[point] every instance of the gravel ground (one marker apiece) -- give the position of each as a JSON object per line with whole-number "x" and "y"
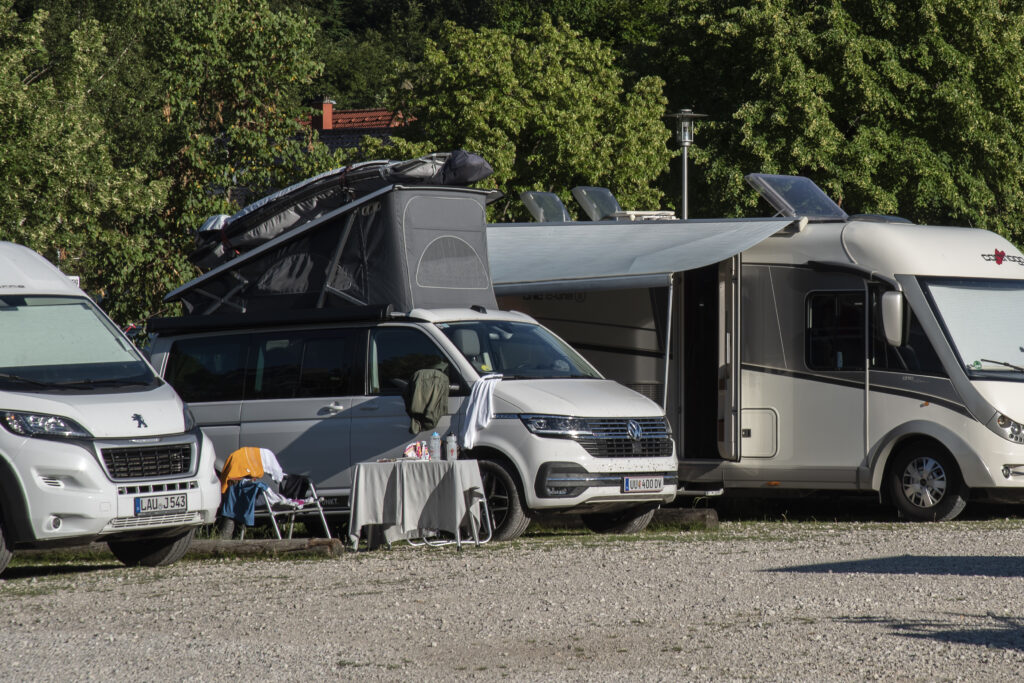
{"x": 776, "y": 600}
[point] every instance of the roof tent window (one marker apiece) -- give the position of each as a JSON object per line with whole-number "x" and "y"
{"x": 451, "y": 263}
{"x": 794, "y": 195}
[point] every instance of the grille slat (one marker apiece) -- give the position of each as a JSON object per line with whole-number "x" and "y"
{"x": 148, "y": 461}
{"x": 611, "y": 438}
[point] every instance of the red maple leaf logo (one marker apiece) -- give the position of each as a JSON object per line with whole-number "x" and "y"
{"x": 1000, "y": 255}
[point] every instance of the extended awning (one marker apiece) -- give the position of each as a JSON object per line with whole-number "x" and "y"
{"x": 533, "y": 258}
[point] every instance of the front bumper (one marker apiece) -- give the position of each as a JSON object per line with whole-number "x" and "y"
{"x": 558, "y": 481}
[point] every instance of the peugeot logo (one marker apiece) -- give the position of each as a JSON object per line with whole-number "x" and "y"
{"x": 635, "y": 431}
{"x": 142, "y": 423}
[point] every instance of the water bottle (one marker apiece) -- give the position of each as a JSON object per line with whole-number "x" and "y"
{"x": 435, "y": 446}
{"x": 451, "y": 448}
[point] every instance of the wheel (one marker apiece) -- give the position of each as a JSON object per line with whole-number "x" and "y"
{"x": 628, "y": 521}
{"x": 503, "y": 500}
{"x": 5, "y": 552}
{"x": 152, "y": 552}
{"x": 926, "y": 485}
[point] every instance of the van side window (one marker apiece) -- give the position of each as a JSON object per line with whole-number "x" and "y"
{"x": 835, "y": 331}
{"x": 396, "y": 353}
{"x": 305, "y": 364}
{"x": 208, "y": 369}
{"x": 917, "y": 356}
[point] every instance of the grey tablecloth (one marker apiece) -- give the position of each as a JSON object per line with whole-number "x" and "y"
{"x": 407, "y": 496}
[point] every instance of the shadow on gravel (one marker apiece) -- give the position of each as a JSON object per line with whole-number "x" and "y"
{"x": 39, "y": 571}
{"x": 945, "y": 565}
{"x": 1007, "y": 633}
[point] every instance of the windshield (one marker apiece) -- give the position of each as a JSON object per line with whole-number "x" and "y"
{"x": 516, "y": 350}
{"x": 57, "y": 343}
{"x": 983, "y": 323}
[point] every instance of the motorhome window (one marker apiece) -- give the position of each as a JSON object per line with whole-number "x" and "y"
{"x": 65, "y": 343}
{"x": 208, "y": 368}
{"x": 982, "y": 321}
{"x": 396, "y": 353}
{"x": 835, "y": 331}
{"x": 916, "y": 356}
{"x": 305, "y": 363}
{"x": 516, "y": 350}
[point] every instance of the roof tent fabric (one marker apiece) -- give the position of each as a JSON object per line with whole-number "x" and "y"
{"x": 407, "y": 247}
{"x": 531, "y": 258}
{"x": 222, "y": 238}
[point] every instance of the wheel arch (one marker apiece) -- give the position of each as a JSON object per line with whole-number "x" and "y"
{"x": 968, "y": 463}
{"x": 494, "y": 455}
{"x": 14, "y": 511}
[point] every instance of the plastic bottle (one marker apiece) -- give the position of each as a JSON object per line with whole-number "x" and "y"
{"x": 435, "y": 446}
{"x": 451, "y": 448}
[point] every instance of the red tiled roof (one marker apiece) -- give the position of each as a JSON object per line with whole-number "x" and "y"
{"x": 367, "y": 118}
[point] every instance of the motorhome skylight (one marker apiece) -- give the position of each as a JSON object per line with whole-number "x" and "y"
{"x": 794, "y": 195}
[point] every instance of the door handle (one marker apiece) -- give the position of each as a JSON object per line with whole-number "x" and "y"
{"x": 334, "y": 407}
{"x": 366, "y": 407}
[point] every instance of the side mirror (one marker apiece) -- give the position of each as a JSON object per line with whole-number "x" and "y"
{"x": 893, "y": 315}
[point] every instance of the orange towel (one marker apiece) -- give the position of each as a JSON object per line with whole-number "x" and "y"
{"x": 245, "y": 462}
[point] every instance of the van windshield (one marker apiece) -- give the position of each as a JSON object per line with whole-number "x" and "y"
{"x": 982, "y": 321}
{"x": 516, "y": 350}
{"x": 59, "y": 343}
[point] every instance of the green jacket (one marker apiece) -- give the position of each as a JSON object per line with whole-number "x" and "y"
{"x": 426, "y": 399}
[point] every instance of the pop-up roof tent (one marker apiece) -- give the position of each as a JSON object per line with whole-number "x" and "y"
{"x": 407, "y": 247}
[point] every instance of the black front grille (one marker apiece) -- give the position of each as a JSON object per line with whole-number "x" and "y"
{"x": 611, "y": 438}
{"x": 148, "y": 461}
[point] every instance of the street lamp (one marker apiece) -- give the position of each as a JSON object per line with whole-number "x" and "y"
{"x": 684, "y": 136}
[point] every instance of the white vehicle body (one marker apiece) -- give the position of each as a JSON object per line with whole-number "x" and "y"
{"x": 559, "y": 429}
{"x": 93, "y": 444}
{"x": 848, "y": 353}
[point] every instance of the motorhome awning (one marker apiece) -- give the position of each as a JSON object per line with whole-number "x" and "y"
{"x": 534, "y": 258}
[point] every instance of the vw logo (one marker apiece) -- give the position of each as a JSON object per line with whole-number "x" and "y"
{"x": 635, "y": 431}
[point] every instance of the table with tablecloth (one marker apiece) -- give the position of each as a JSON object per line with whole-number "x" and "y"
{"x": 410, "y": 497}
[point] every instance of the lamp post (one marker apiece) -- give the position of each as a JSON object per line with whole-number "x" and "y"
{"x": 684, "y": 136}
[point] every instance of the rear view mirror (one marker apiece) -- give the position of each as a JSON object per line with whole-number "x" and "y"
{"x": 893, "y": 318}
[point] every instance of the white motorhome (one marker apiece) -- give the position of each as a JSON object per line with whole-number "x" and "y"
{"x": 93, "y": 444}
{"x": 815, "y": 350}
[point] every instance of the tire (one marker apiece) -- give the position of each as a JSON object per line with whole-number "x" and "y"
{"x": 152, "y": 552}
{"x": 504, "y": 501}
{"x": 925, "y": 484}
{"x": 628, "y": 521}
{"x": 5, "y": 552}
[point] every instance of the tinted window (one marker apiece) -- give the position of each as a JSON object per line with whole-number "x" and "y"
{"x": 396, "y": 353}
{"x": 209, "y": 369}
{"x": 306, "y": 363}
{"x": 916, "y": 356}
{"x": 835, "y": 331}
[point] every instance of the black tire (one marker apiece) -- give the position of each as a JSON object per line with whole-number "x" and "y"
{"x": 504, "y": 501}
{"x": 628, "y": 521}
{"x": 925, "y": 484}
{"x": 5, "y": 552}
{"x": 152, "y": 552}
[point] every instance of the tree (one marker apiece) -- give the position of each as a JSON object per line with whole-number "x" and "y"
{"x": 546, "y": 107}
{"x": 60, "y": 190}
{"x": 903, "y": 108}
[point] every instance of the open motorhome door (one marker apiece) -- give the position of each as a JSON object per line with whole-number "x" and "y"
{"x": 729, "y": 384}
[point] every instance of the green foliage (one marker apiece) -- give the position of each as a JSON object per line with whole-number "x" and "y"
{"x": 547, "y": 108}
{"x": 60, "y": 191}
{"x": 906, "y": 108}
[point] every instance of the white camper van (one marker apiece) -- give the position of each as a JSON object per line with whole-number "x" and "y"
{"x": 93, "y": 445}
{"x": 815, "y": 350}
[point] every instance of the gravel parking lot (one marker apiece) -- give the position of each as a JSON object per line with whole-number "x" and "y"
{"x": 766, "y": 600}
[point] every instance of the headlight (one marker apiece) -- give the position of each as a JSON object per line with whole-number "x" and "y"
{"x": 1009, "y": 429}
{"x": 559, "y": 426}
{"x": 34, "y": 424}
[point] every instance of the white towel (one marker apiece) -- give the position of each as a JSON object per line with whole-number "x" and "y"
{"x": 478, "y": 409}
{"x": 270, "y": 465}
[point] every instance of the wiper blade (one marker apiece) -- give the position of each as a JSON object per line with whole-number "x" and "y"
{"x": 1003, "y": 363}
{"x": 25, "y": 380}
{"x": 106, "y": 383}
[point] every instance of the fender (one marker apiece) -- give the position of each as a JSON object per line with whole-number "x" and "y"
{"x": 13, "y": 505}
{"x": 972, "y": 467}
